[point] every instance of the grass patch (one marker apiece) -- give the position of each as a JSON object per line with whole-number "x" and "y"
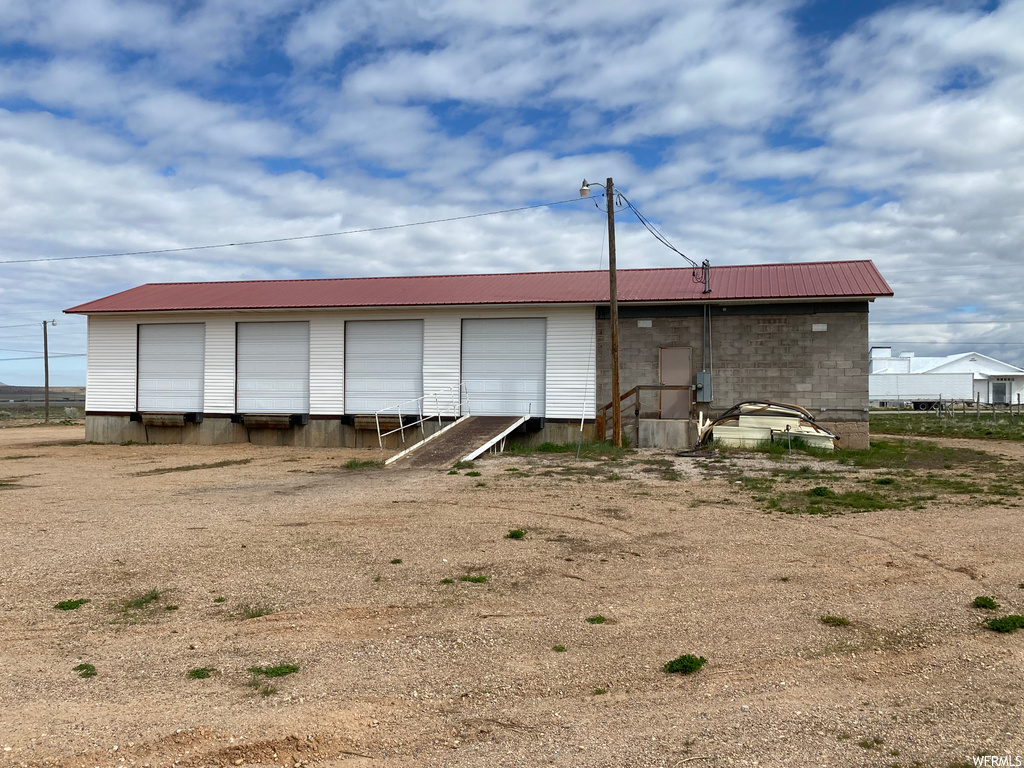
{"x": 516, "y": 533}
{"x": 960, "y": 425}
{"x": 462, "y": 465}
{"x": 220, "y": 599}
{"x": 598, "y": 619}
{"x": 171, "y": 607}
{"x": 85, "y": 670}
{"x": 278, "y": 671}
{"x": 191, "y": 467}
{"x": 474, "y": 473}
{"x": 253, "y": 611}
{"x": 396, "y": 561}
{"x": 1010, "y": 623}
{"x": 834, "y": 621}
{"x": 591, "y": 449}
{"x": 686, "y": 664}
{"x": 985, "y": 603}
{"x": 474, "y": 579}
{"x": 600, "y": 691}
{"x": 201, "y": 673}
{"x": 141, "y": 601}
{"x": 558, "y": 648}
{"x": 447, "y": 581}
{"x": 872, "y": 743}
{"x": 72, "y": 605}
{"x": 362, "y": 464}
{"x": 914, "y": 454}
{"x": 453, "y": 471}
{"x": 264, "y": 688}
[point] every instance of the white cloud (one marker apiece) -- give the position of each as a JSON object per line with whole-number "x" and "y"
{"x": 135, "y": 126}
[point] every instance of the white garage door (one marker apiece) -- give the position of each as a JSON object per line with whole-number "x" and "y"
{"x": 272, "y": 368}
{"x": 503, "y": 366}
{"x": 383, "y": 365}
{"x": 171, "y": 367}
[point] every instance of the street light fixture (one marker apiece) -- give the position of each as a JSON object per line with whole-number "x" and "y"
{"x": 614, "y": 306}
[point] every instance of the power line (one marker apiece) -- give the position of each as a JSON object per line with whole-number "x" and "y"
{"x": 954, "y": 342}
{"x": 947, "y": 322}
{"x": 290, "y": 239}
{"x": 40, "y": 357}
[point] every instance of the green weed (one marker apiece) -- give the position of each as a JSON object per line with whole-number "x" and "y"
{"x": 141, "y": 601}
{"x": 598, "y": 619}
{"x": 362, "y": 464}
{"x": 396, "y": 561}
{"x": 835, "y": 621}
{"x": 558, "y": 648}
{"x": 277, "y": 671}
{"x": 253, "y": 611}
{"x": 85, "y": 670}
{"x": 201, "y": 673}
{"x": 473, "y": 474}
{"x": 1010, "y": 623}
{"x": 515, "y": 533}
{"x": 686, "y": 664}
{"x": 474, "y": 579}
{"x": 985, "y": 603}
{"x": 71, "y": 605}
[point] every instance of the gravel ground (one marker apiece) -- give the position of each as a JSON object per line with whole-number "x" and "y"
{"x": 397, "y": 668}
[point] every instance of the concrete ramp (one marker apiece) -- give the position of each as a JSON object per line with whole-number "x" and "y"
{"x": 465, "y": 439}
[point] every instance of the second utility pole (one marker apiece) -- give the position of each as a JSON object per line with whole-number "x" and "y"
{"x": 614, "y": 302}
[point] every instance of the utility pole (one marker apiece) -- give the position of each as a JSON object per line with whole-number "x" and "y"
{"x": 46, "y": 372}
{"x": 613, "y": 298}
{"x": 46, "y": 375}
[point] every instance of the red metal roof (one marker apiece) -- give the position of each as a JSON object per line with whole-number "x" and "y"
{"x": 815, "y": 280}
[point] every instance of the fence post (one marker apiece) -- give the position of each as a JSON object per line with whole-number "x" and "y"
{"x": 977, "y": 405}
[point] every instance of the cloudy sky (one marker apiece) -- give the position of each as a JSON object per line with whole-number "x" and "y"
{"x": 774, "y": 131}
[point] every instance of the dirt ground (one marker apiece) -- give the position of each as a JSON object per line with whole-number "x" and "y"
{"x": 398, "y": 668}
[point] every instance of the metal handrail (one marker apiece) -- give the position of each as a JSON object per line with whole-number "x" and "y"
{"x": 635, "y": 392}
{"x": 456, "y": 410}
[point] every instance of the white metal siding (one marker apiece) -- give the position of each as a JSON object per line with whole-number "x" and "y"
{"x": 273, "y": 368}
{"x": 442, "y": 347}
{"x": 569, "y": 352}
{"x": 171, "y": 366}
{"x": 571, "y": 364}
{"x": 327, "y": 365}
{"x": 503, "y": 365}
{"x": 110, "y": 372}
{"x": 219, "y": 366}
{"x": 383, "y": 365}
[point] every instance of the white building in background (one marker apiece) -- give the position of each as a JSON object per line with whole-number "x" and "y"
{"x": 967, "y": 376}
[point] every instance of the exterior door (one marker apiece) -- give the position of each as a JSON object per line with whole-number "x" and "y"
{"x": 676, "y": 368}
{"x": 504, "y": 365}
{"x": 999, "y": 393}
{"x": 383, "y": 365}
{"x": 272, "y": 368}
{"x": 171, "y": 359}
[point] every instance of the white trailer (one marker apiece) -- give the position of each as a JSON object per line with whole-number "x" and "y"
{"x": 922, "y": 389}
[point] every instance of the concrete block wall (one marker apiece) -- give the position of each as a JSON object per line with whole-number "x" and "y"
{"x": 805, "y": 355}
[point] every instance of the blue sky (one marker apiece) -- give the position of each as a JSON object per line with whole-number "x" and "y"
{"x": 749, "y": 132}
